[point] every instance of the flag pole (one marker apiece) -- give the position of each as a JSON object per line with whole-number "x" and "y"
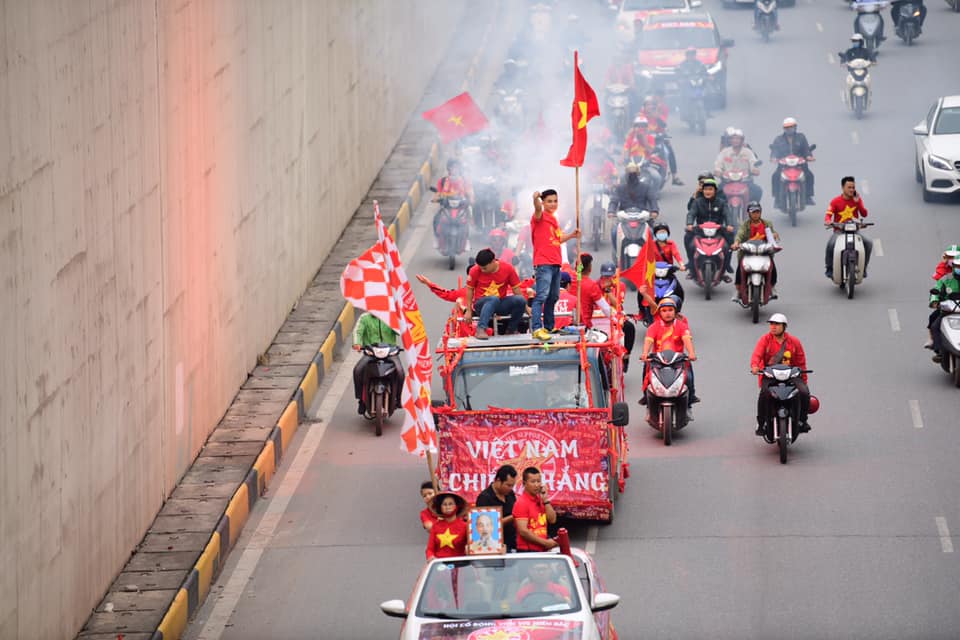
{"x": 431, "y": 469}
{"x": 576, "y": 308}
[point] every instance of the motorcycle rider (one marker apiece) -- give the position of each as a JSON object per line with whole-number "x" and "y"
{"x": 371, "y": 330}
{"x": 704, "y": 175}
{"x": 615, "y": 292}
{"x": 895, "y": 11}
{"x": 498, "y": 243}
{"x": 791, "y": 142}
{"x": 756, "y": 17}
{"x": 857, "y": 51}
{"x": 738, "y": 157}
{"x": 708, "y": 208}
{"x": 633, "y": 193}
{"x": 621, "y": 72}
{"x": 755, "y": 227}
{"x": 947, "y": 288}
{"x": 670, "y": 331}
{"x": 638, "y": 143}
{"x": 845, "y": 207}
{"x": 690, "y": 67}
{"x": 488, "y": 283}
{"x": 657, "y": 125}
{"x": 780, "y": 347}
{"x": 452, "y": 185}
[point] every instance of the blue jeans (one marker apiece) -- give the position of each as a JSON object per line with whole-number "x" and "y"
{"x": 547, "y": 288}
{"x": 488, "y": 306}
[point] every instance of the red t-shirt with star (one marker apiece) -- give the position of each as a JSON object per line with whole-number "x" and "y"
{"x": 531, "y": 508}
{"x": 545, "y": 233}
{"x": 842, "y": 210}
{"x": 590, "y": 295}
{"x": 428, "y": 516}
{"x": 500, "y": 283}
{"x": 447, "y": 539}
{"x": 668, "y": 336}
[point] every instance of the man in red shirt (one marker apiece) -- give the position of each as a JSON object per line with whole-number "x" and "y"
{"x": 547, "y": 258}
{"x": 563, "y": 312}
{"x": 591, "y": 295}
{"x": 844, "y": 208}
{"x": 488, "y": 283}
{"x": 639, "y": 143}
{"x": 532, "y": 513}
{"x": 779, "y": 347}
{"x": 541, "y": 581}
{"x": 670, "y": 332}
{"x": 615, "y": 296}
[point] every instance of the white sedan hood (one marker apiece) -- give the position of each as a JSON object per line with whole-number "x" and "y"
{"x": 947, "y": 146}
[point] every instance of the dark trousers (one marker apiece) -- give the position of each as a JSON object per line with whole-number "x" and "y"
{"x": 547, "y": 288}
{"x": 935, "y": 319}
{"x": 828, "y": 254}
{"x": 629, "y": 335}
{"x": 765, "y": 404}
{"x": 360, "y": 380}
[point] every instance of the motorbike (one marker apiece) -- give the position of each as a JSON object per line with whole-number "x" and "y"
{"x": 653, "y": 172}
{"x": 452, "y": 228}
{"x": 486, "y": 211}
{"x": 780, "y": 422}
{"x": 908, "y": 27}
{"x": 849, "y": 257}
{"x": 665, "y": 284}
{"x": 710, "y": 248}
{"x": 858, "y": 93}
{"x": 950, "y": 336}
{"x": 693, "y": 108}
{"x": 598, "y": 214}
{"x": 954, "y": 4}
{"x": 659, "y": 160}
{"x": 617, "y": 102}
{"x": 756, "y": 270}
{"x": 765, "y": 18}
{"x": 736, "y": 188}
{"x": 792, "y": 198}
{"x": 629, "y": 236}
{"x": 509, "y": 108}
{"x": 869, "y": 23}
{"x": 380, "y": 374}
{"x": 667, "y": 393}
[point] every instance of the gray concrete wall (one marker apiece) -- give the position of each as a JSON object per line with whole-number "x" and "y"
{"x": 172, "y": 173}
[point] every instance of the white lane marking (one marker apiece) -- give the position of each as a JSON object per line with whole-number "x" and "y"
{"x": 865, "y": 186}
{"x": 878, "y": 248}
{"x": 820, "y": 27}
{"x": 894, "y": 320}
{"x": 592, "y": 534}
{"x": 830, "y": 58}
{"x": 915, "y": 414}
{"x": 855, "y": 137}
{"x": 946, "y": 542}
{"x": 253, "y": 548}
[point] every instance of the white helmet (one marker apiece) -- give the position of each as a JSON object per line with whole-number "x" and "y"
{"x": 789, "y": 122}
{"x": 729, "y": 131}
{"x": 778, "y": 318}
{"x": 858, "y": 38}
{"x": 736, "y": 132}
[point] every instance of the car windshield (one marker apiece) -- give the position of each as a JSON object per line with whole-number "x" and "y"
{"x": 678, "y": 38}
{"x": 643, "y": 5}
{"x": 548, "y": 385}
{"x": 497, "y": 588}
{"x": 948, "y": 122}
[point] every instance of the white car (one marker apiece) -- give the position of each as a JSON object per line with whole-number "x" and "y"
{"x": 938, "y": 148}
{"x": 632, "y": 13}
{"x": 508, "y": 595}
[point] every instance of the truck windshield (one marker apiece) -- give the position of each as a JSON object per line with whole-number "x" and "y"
{"x": 522, "y": 386}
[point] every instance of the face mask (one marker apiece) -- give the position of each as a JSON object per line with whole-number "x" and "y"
{"x": 662, "y": 236}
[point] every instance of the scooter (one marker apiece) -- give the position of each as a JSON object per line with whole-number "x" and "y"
{"x": 950, "y": 337}
{"x": 782, "y": 390}
{"x": 710, "y": 248}
{"x": 792, "y": 198}
{"x": 756, "y": 271}
{"x": 509, "y": 108}
{"x": 486, "y": 211}
{"x": 617, "y": 102}
{"x": 452, "y": 228}
{"x": 598, "y": 215}
{"x": 629, "y": 236}
{"x": 736, "y": 188}
{"x": 954, "y": 4}
{"x": 869, "y": 22}
{"x": 380, "y": 374}
{"x": 908, "y": 26}
{"x": 665, "y": 284}
{"x": 858, "y": 92}
{"x": 849, "y": 257}
{"x": 667, "y": 393}
{"x": 694, "y": 106}
{"x": 766, "y": 24}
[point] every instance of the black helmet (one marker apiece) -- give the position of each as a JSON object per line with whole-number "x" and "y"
{"x": 661, "y": 225}
{"x": 753, "y": 205}
{"x": 704, "y": 175}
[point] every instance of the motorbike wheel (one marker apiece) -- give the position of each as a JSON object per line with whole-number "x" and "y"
{"x": 451, "y": 262}
{"x": 858, "y": 107}
{"x": 851, "y": 278}
{"x": 766, "y": 35}
{"x": 955, "y": 374}
{"x": 755, "y": 293}
{"x": 708, "y": 280}
{"x": 701, "y": 120}
{"x": 379, "y": 412}
{"x": 793, "y": 205}
{"x": 666, "y": 424}
{"x": 782, "y": 438}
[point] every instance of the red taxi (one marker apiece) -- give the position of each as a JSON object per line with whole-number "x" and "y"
{"x": 632, "y": 13}
{"x": 662, "y": 46}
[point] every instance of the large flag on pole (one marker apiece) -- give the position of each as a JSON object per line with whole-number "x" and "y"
{"x": 456, "y": 118}
{"x": 377, "y": 282}
{"x": 585, "y": 107}
{"x": 642, "y": 272}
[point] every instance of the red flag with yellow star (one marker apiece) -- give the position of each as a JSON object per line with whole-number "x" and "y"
{"x": 456, "y": 118}
{"x": 642, "y": 272}
{"x": 585, "y": 106}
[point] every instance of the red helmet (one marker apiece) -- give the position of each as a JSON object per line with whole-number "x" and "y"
{"x": 814, "y": 404}
{"x": 497, "y": 234}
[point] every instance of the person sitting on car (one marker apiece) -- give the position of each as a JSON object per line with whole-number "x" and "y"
{"x": 541, "y": 580}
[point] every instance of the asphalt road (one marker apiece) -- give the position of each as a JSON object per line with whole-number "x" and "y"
{"x": 713, "y": 537}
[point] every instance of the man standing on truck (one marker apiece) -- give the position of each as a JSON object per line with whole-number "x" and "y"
{"x": 547, "y": 258}
{"x": 532, "y": 513}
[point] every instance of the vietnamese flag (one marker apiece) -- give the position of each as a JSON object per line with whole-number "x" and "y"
{"x": 642, "y": 272}
{"x": 456, "y": 118}
{"x": 585, "y": 106}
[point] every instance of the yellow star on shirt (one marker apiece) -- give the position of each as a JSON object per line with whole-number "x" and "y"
{"x": 457, "y": 120}
{"x": 446, "y": 539}
{"x": 847, "y": 213}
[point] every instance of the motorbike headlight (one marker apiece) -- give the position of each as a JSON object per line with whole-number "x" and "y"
{"x": 381, "y": 352}
{"x": 782, "y": 375}
{"x": 756, "y": 264}
{"x": 938, "y": 163}
{"x": 858, "y": 91}
{"x": 953, "y": 322}
{"x": 850, "y": 226}
{"x": 660, "y": 273}
{"x": 618, "y": 101}
{"x": 709, "y": 233}
{"x": 632, "y": 250}
{"x": 715, "y": 68}
{"x": 454, "y": 203}
{"x": 647, "y": 74}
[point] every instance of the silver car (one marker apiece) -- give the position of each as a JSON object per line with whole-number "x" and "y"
{"x": 937, "y": 136}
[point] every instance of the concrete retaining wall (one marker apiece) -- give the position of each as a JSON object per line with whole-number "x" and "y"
{"x": 173, "y": 173}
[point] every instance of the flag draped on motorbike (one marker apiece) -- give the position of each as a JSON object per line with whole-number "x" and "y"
{"x": 376, "y": 281}
{"x": 642, "y": 272}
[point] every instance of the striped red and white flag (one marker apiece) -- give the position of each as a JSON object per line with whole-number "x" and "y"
{"x": 376, "y": 282}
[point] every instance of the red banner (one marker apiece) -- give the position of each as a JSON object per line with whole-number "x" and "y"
{"x": 536, "y": 629}
{"x": 570, "y": 447}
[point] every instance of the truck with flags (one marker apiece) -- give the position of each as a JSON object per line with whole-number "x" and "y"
{"x": 555, "y": 405}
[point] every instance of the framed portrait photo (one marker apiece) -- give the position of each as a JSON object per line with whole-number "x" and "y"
{"x": 486, "y": 531}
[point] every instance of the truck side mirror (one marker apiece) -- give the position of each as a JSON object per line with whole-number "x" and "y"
{"x": 620, "y": 414}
